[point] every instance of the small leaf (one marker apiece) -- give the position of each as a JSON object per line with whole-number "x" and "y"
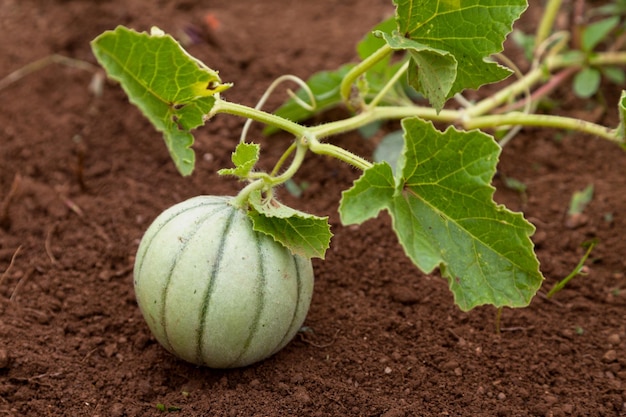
{"x": 432, "y": 72}
{"x": 515, "y": 184}
{"x": 580, "y": 200}
{"x": 172, "y": 89}
{"x": 245, "y": 158}
{"x": 596, "y": 32}
{"x": 524, "y": 41}
{"x": 302, "y": 233}
{"x": 587, "y": 82}
{"x": 614, "y": 74}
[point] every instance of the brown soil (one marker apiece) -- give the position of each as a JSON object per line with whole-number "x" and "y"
{"x": 382, "y": 339}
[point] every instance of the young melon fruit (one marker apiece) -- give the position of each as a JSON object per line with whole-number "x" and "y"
{"x": 213, "y": 291}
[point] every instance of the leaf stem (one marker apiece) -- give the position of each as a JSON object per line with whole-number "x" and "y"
{"x": 394, "y": 79}
{"x": 382, "y": 113}
{"x": 283, "y": 158}
{"x": 360, "y": 69}
{"x": 542, "y": 120}
{"x": 223, "y": 106}
{"x": 241, "y": 199}
{"x": 270, "y": 181}
{"x": 337, "y": 152}
{"x": 547, "y": 21}
{"x": 543, "y": 71}
{"x": 298, "y": 158}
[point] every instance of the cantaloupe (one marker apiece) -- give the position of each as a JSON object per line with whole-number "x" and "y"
{"x": 213, "y": 291}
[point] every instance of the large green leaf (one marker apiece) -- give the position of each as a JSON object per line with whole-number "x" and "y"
{"x": 443, "y": 212}
{"x": 469, "y": 30}
{"x": 172, "y": 89}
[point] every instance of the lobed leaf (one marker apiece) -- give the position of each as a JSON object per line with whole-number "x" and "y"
{"x": 370, "y": 194}
{"x": 443, "y": 212}
{"x": 302, "y": 233}
{"x": 469, "y": 30}
{"x": 172, "y": 89}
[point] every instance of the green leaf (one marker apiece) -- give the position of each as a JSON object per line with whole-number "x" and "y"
{"x": 370, "y": 194}
{"x": 469, "y": 30}
{"x": 245, "y": 158}
{"x": 614, "y": 74}
{"x": 587, "y": 82}
{"x": 172, "y": 89}
{"x": 622, "y": 116}
{"x": 432, "y": 71}
{"x": 444, "y": 215}
{"x": 580, "y": 200}
{"x": 302, "y": 233}
{"x": 390, "y": 149}
{"x": 373, "y": 41}
{"x": 596, "y": 32}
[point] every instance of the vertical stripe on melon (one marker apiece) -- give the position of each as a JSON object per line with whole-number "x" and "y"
{"x": 213, "y": 291}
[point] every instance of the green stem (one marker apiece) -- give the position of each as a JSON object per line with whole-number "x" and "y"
{"x": 533, "y": 77}
{"x": 283, "y": 158}
{"x": 382, "y": 113}
{"x": 223, "y": 106}
{"x": 360, "y": 69}
{"x": 269, "y": 181}
{"x": 542, "y": 120}
{"x": 547, "y": 21}
{"x": 241, "y": 199}
{"x": 561, "y": 284}
{"x": 394, "y": 79}
{"x": 298, "y": 158}
{"x": 502, "y": 96}
{"x": 339, "y": 153}
{"x": 608, "y": 58}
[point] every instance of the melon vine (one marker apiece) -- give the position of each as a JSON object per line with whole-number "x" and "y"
{"x": 436, "y": 186}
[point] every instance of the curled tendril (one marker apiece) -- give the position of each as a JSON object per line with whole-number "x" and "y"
{"x": 283, "y": 78}
{"x": 551, "y": 46}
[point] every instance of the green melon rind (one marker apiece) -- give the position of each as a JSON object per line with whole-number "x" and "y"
{"x": 213, "y": 291}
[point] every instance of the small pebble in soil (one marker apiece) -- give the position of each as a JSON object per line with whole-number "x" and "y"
{"x": 297, "y": 378}
{"x": 301, "y": 395}
{"x": 394, "y": 412}
{"x": 5, "y": 359}
{"x": 117, "y": 410}
{"x": 609, "y": 356}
